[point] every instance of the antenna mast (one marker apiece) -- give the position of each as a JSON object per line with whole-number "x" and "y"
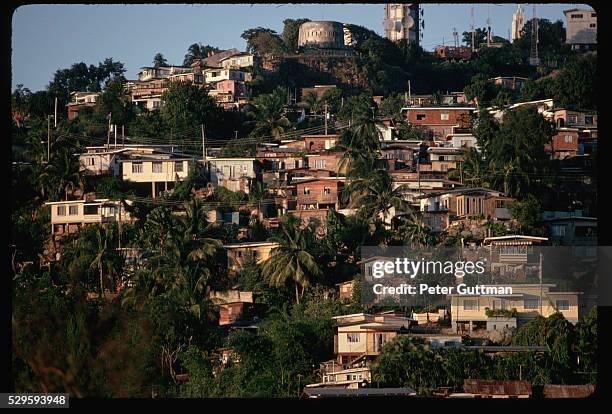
{"x": 456, "y": 36}
{"x": 472, "y": 27}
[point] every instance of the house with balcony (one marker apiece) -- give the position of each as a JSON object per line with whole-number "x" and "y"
{"x": 329, "y": 160}
{"x": 229, "y": 93}
{"x": 216, "y": 75}
{"x": 527, "y": 301}
{"x": 240, "y": 253}
{"x": 80, "y": 100}
{"x": 568, "y": 229}
{"x": 68, "y": 217}
{"x": 468, "y": 203}
{"x": 235, "y": 174}
{"x": 160, "y": 171}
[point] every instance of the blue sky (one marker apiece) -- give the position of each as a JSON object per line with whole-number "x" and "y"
{"x": 50, "y": 37}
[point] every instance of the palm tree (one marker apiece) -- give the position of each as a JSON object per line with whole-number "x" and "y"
{"x": 63, "y": 170}
{"x": 159, "y": 60}
{"x": 373, "y": 191}
{"x": 360, "y": 142}
{"x": 411, "y": 228}
{"x": 197, "y": 51}
{"x": 312, "y": 102}
{"x": 96, "y": 246}
{"x": 473, "y": 168}
{"x": 268, "y": 114}
{"x": 292, "y": 260}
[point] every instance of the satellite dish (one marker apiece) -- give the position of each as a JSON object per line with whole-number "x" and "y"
{"x": 408, "y": 21}
{"x": 398, "y": 26}
{"x": 388, "y": 24}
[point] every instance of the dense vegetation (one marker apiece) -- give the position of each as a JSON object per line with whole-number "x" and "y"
{"x": 71, "y": 333}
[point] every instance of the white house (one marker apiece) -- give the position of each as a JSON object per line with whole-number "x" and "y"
{"x": 235, "y": 174}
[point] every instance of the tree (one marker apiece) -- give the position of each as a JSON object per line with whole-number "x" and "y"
{"x": 159, "y": 60}
{"x": 480, "y": 36}
{"x": 576, "y": 84}
{"x": 373, "y": 193}
{"x": 187, "y": 106}
{"x": 197, "y": 51}
{"x": 292, "y": 260}
{"x": 268, "y": 114}
{"x": 517, "y": 157}
{"x": 63, "y": 171}
{"x": 391, "y": 107}
{"x": 291, "y": 30}
{"x": 528, "y": 213}
{"x": 263, "y": 41}
{"x": 114, "y": 101}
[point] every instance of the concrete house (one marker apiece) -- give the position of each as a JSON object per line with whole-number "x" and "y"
{"x": 239, "y": 253}
{"x": 80, "y": 100}
{"x": 235, "y": 174}
{"x": 69, "y": 216}
{"x": 159, "y": 171}
{"x": 581, "y": 29}
{"x": 438, "y": 121}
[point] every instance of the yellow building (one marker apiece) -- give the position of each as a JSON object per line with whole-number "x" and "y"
{"x": 239, "y": 253}
{"x": 469, "y": 312}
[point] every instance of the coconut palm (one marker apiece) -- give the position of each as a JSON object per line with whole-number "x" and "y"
{"x": 159, "y": 60}
{"x": 312, "y": 102}
{"x": 268, "y": 114}
{"x": 473, "y": 168}
{"x": 63, "y": 170}
{"x": 373, "y": 192}
{"x": 360, "y": 142}
{"x": 292, "y": 260}
{"x": 197, "y": 51}
{"x": 412, "y": 229}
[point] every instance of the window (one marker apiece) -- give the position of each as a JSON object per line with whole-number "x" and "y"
{"x": 577, "y": 16}
{"x": 470, "y": 304}
{"x": 499, "y": 304}
{"x": 558, "y": 230}
{"x": 592, "y": 25}
{"x": 157, "y": 167}
{"x": 569, "y": 138}
{"x": 593, "y": 14}
{"x": 420, "y": 117}
{"x": 73, "y": 210}
{"x": 327, "y": 190}
{"x": 572, "y": 119}
{"x": 562, "y": 304}
{"x": 61, "y": 210}
{"x": 444, "y": 117}
{"x": 306, "y": 190}
{"x": 90, "y": 210}
{"x": 352, "y": 337}
{"x": 136, "y": 167}
{"x": 584, "y": 231}
{"x": 588, "y": 120}
{"x": 531, "y": 304}
{"x": 156, "y": 104}
{"x": 90, "y": 161}
{"x": 178, "y": 166}
{"x": 320, "y": 164}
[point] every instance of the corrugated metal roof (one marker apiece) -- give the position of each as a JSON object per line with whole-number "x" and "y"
{"x": 568, "y": 391}
{"x": 358, "y": 392}
{"x": 495, "y": 387}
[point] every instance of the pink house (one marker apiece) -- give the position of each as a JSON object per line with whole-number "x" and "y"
{"x": 236, "y": 88}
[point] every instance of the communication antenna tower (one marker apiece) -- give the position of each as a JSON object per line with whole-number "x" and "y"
{"x": 472, "y": 27}
{"x": 456, "y": 36}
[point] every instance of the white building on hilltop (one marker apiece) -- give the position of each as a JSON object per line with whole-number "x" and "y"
{"x": 518, "y": 21}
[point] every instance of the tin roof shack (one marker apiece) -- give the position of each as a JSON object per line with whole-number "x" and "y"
{"x": 345, "y": 290}
{"x": 439, "y": 121}
{"x": 568, "y": 391}
{"x": 233, "y": 306}
{"x": 497, "y": 389}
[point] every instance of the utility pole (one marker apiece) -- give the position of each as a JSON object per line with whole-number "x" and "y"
{"x": 236, "y": 135}
{"x": 409, "y": 93}
{"x": 203, "y": 145}
{"x": 325, "y": 106}
{"x": 109, "y": 130}
{"x": 123, "y": 136}
{"x": 48, "y": 138}
{"x": 540, "y": 274}
{"x": 55, "y": 114}
{"x": 115, "y": 129}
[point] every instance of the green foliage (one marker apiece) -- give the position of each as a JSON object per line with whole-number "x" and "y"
{"x": 159, "y": 60}
{"x": 262, "y": 41}
{"x": 290, "y": 34}
{"x": 506, "y": 313}
{"x": 528, "y": 213}
{"x": 187, "y": 105}
{"x": 197, "y": 51}
{"x": 268, "y": 114}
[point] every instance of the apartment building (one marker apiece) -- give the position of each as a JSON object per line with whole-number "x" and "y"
{"x": 581, "y": 32}
{"x": 438, "y": 121}
{"x": 161, "y": 171}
